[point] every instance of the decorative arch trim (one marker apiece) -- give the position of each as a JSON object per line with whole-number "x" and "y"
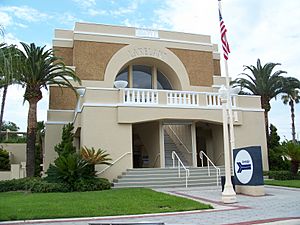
{"x": 132, "y": 52}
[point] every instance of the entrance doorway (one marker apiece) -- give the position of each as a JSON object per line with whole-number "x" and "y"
{"x": 145, "y": 145}
{"x": 178, "y": 139}
{"x": 210, "y": 141}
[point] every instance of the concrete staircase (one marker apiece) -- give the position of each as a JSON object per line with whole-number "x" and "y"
{"x": 166, "y": 178}
{"x": 170, "y": 146}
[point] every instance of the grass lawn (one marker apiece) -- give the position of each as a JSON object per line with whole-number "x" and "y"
{"x": 285, "y": 183}
{"x": 20, "y": 205}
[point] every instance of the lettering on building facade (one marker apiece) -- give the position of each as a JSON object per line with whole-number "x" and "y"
{"x": 136, "y": 52}
{"x": 147, "y": 33}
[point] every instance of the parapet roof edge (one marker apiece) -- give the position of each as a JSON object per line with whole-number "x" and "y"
{"x": 129, "y": 31}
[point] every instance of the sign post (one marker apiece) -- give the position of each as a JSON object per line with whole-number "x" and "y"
{"x": 248, "y": 171}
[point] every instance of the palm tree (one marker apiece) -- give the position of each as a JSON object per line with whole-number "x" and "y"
{"x": 39, "y": 68}
{"x": 291, "y": 96}
{"x": 8, "y": 65}
{"x": 93, "y": 157}
{"x": 263, "y": 82}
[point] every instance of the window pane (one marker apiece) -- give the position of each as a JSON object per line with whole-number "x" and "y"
{"x": 162, "y": 82}
{"x": 142, "y": 77}
{"x": 123, "y": 75}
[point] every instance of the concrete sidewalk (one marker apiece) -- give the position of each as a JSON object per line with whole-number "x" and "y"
{"x": 280, "y": 206}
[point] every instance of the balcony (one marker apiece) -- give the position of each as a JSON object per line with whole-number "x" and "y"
{"x": 131, "y": 96}
{"x": 140, "y": 105}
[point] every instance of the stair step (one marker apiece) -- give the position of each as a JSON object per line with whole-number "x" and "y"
{"x": 164, "y": 185}
{"x": 167, "y": 177}
{"x": 167, "y": 180}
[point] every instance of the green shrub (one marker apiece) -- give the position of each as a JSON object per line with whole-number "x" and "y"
{"x": 4, "y": 160}
{"x": 69, "y": 169}
{"x": 66, "y": 147}
{"x": 283, "y": 175}
{"x": 95, "y": 184}
{"x": 37, "y": 185}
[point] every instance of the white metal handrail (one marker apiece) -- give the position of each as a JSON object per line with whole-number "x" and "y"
{"x": 117, "y": 160}
{"x": 201, "y": 154}
{"x": 156, "y": 158}
{"x": 187, "y": 171}
{"x": 178, "y": 138}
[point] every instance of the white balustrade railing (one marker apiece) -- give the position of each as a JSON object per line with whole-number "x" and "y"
{"x": 214, "y": 99}
{"x": 180, "y": 163}
{"x": 140, "y": 96}
{"x": 173, "y": 98}
{"x": 182, "y": 98}
{"x": 218, "y": 171}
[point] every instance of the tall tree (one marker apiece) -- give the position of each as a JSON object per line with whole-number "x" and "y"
{"x": 39, "y": 68}
{"x": 276, "y": 161}
{"x": 262, "y": 81}
{"x": 8, "y": 71}
{"x": 291, "y": 96}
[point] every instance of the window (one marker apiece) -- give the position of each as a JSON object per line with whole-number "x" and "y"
{"x": 123, "y": 75}
{"x": 143, "y": 77}
{"x": 162, "y": 82}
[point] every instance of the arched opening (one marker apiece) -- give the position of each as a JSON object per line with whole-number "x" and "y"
{"x": 144, "y": 77}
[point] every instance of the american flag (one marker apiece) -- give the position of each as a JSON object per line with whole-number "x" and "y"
{"x": 225, "y": 44}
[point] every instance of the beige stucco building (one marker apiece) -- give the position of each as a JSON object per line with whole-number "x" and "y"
{"x": 171, "y": 101}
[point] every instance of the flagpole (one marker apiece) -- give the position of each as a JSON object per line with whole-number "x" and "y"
{"x": 228, "y": 194}
{"x": 231, "y": 128}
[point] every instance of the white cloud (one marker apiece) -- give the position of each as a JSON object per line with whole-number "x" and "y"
{"x": 16, "y": 111}
{"x": 67, "y": 18}
{"x": 5, "y": 19}
{"x": 94, "y": 12}
{"x": 25, "y": 13}
{"x": 189, "y": 16}
{"x": 10, "y": 39}
{"x": 85, "y": 3}
{"x": 132, "y": 7}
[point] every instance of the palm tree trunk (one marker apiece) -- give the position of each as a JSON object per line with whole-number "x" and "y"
{"x": 31, "y": 137}
{"x": 291, "y": 103}
{"x": 3, "y": 105}
{"x": 265, "y": 104}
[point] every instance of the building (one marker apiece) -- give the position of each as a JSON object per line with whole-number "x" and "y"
{"x": 171, "y": 102}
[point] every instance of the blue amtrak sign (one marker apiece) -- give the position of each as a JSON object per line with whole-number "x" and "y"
{"x": 248, "y": 166}
{"x": 242, "y": 167}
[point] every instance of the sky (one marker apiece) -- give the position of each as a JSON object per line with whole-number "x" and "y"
{"x": 265, "y": 29}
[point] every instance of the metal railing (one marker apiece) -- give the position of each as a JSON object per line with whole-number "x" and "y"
{"x": 156, "y": 158}
{"x": 113, "y": 163}
{"x": 178, "y": 138}
{"x": 187, "y": 171}
{"x": 201, "y": 154}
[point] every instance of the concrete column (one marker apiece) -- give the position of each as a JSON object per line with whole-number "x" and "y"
{"x": 161, "y": 145}
{"x": 154, "y": 77}
{"x": 194, "y": 144}
{"x": 130, "y": 76}
{"x": 15, "y": 171}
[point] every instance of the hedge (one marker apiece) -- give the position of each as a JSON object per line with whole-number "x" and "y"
{"x": 283, "y": 175}
{"x": 38, "y": 185}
